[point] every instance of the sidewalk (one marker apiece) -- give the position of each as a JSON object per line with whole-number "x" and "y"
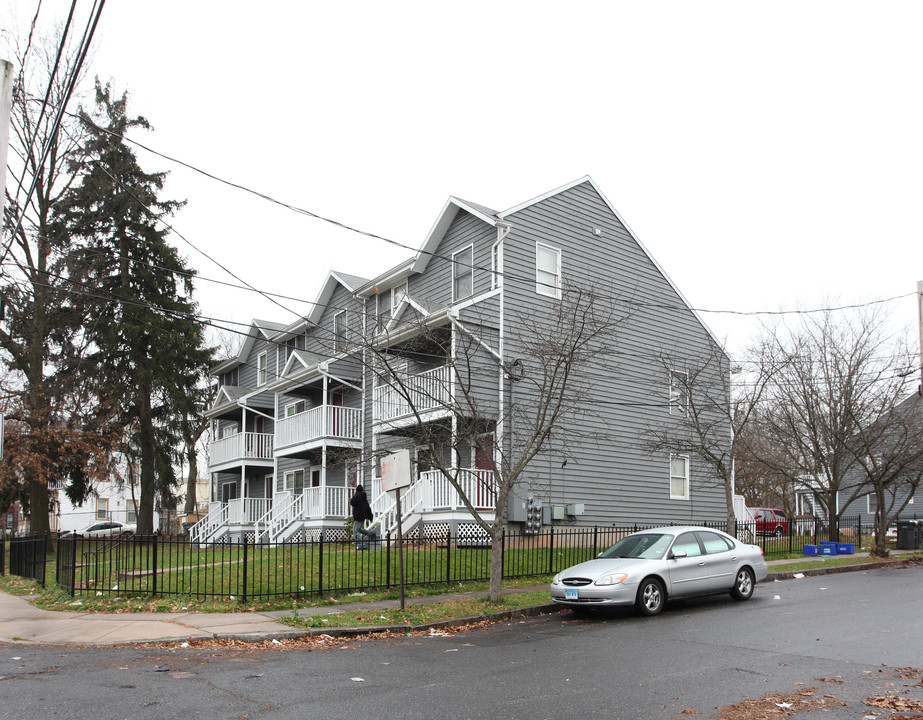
{"x": 20, "y": 622}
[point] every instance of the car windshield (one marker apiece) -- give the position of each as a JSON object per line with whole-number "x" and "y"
{"x": 650, "y": 546}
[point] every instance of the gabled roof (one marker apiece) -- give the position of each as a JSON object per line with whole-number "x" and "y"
{"x": 301, "y": 359}
{"x": 350, "y": 282}
{"x": 265, "y": 328}
{"x": 587, "y": 179}
{"x": 441, "y": 227}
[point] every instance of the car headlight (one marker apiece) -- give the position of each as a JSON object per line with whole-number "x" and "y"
{"x": 556, "y": 580}
{"x": 613, "y": 579}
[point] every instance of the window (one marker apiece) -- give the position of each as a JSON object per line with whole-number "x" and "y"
{"x": 679, "y": 477}
{"x": 229, "y": 430}
{"x": 295, "y": 408}
{"x": 463, "y": 273}
{"x": 339, "y": 331}
{"x": 102, "y": 508}
{"x": 496, "y": 265}
{"x": 714, "y": 543}
{"x": 383, "y": 313}
{"x": 261, "y": 369}
{"x": 131, "y": 512}
{"x": 679, "y": 392}
{"x": 547, "y": 270}
{"x": 398, "y": 294}
{"x": 688, "y": 544}
{"x": 294, "y": 481}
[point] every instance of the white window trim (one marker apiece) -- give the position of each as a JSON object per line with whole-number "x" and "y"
{"x": 294, "y": 404}
{"x": 398, "y": 295}
{"x": 340, "y": 340}
{"x": 679, "y": 393}
{"x": 262, "y": 369}
{"x": 469, "y": 268}
{"x": 102, "y": 505}
{"x": 288, "y": 480}
{"x": 542, "y": 287}
{"x": 686, "y": 483}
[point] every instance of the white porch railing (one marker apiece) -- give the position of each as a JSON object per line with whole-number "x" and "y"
{"x": 324, "y": 421}
{"x": 290, "y": 511}
{"x": 243, "y": 511}
{"x": 202, "y": 531}
{"x": 425, "y": 391}
{"x": 433, "y": 492}
{"x": 242, "y": 446}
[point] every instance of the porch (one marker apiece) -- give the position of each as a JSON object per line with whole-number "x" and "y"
{"x": 311, "y": 428}
{"x": 425, "y": 392}
{"x": 250, "y": 447}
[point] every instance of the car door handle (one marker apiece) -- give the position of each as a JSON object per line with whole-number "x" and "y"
{"x": 702, "y": 564}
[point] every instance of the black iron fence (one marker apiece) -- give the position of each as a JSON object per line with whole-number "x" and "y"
{"x": 156, "y": 565}
{"x": 27, "y": 557}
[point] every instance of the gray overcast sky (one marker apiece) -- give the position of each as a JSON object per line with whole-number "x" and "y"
{"x": 768, "y": 155}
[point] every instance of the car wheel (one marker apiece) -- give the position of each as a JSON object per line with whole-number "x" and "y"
{"x": 651, "y": 597}
{"x": 743, "y": 584}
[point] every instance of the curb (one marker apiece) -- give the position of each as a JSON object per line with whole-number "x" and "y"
{"x": 456, "y": 622}
{"x": 836, "y": 569}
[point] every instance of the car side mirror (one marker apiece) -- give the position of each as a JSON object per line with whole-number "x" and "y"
{"x": 677, "y": 554}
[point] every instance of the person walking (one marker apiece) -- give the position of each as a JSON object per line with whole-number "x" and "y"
{"x": 361, "y": 512}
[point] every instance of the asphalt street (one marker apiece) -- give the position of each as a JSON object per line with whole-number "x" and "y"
{"x": 827, "y": 643}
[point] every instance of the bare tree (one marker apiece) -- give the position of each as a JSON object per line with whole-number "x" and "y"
{"x": 832, "y": 378}
{"x": 889, "y": 459}
{"x": 549, "y": 383}
{"x": 709, "y": 417}
{"x": 41, "y": 331}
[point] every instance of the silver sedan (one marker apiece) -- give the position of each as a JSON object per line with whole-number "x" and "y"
{"x": 649, "y": 568}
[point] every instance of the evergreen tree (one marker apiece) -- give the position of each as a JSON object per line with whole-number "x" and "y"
{"x": 149, "y": 344}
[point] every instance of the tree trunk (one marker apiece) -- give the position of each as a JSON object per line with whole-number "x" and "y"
{"x": 496, "y": 562}
{"x": 190, "y": 506}
{"x": 880, "y": 549}
{"x": 148, "y": 471}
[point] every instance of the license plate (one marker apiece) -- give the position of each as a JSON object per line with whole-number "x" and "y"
{"x": 570, "y": 594}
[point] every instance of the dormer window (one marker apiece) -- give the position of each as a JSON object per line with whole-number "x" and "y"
{"x": 262, "y": 368}
{"x": 398, "y": 295}
{"x": 340, "y": 332}
{"x": 463, "y": 274}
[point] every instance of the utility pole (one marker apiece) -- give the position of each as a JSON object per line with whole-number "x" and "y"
{"x": 6, "y": 102}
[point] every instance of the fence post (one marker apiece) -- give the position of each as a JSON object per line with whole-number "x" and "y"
{"x": 320, "y": 564}
{"x": 154, "y": 567}
{"x": 73, "y": 587}
{"x": 47, "y": 540}
{"x": 551, "y": 552}
{"x": 388, "y": 559}
{"x": 448, "y": 556}
{"x": 502, "y": 554}
{"x": 243, "y": 591}
{"x": 595, "y": 540}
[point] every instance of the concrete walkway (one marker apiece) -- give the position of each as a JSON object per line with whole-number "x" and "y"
{"x": 20, "y": 622}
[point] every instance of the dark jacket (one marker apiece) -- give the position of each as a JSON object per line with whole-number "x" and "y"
{"x": 360, "y": 505}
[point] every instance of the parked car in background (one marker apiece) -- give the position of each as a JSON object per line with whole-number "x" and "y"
{"x": 651, "y": 567}
{"x": 770, "y": 521}
{"x": 106, "y": 528}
